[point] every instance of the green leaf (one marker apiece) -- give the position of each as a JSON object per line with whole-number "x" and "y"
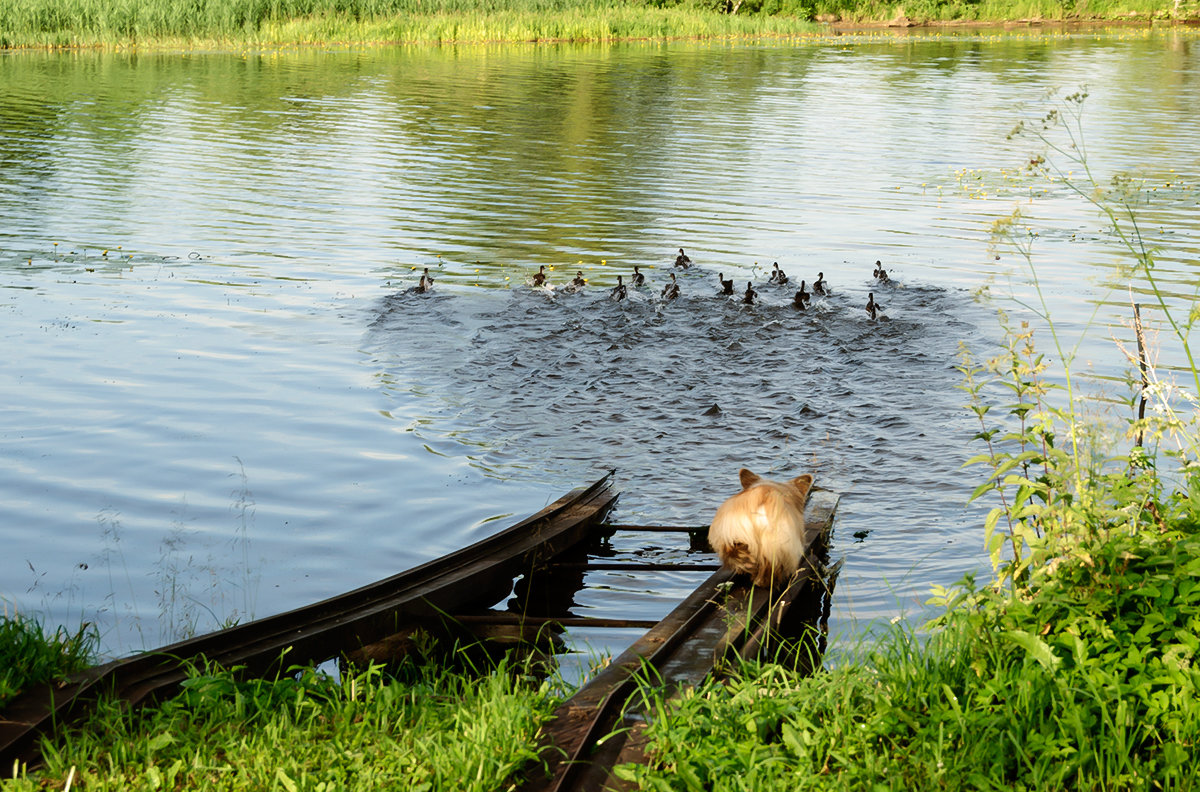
{"x": 284, "y": 779}
{"x": 1035, "y": 647}
{"x": 159, "y": 741}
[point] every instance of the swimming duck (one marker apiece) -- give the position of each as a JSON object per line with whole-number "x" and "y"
{"x": 671, "y": 290}
{"x": 750, "y": 294}
{"x": 540, "y": 278}
{"x": 618, "y": 292}
{"x": 803, "y": 298}
{"x": 873, "y": 307}
{"x": 777, "y": 275}
{"x": 638, "y": 278}
{"x": 578, "y": 282}
{"x": 426, "y": 282}
{"x": 820, "y": 287}
{"x": 726, "y": 285}
{"x": 880, "y": 273}
{"x": 682, "y": 260}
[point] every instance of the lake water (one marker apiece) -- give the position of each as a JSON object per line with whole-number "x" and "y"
{"x": 223, "y": 400}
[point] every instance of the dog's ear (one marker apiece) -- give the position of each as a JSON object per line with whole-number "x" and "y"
{"x": 803, "y": 483}
{"x": 748, "y": 479}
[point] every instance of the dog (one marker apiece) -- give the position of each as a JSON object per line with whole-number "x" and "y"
{"x": 760, "y": 531}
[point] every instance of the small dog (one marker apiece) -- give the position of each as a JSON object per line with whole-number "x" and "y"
{"x": 760, "y": 531}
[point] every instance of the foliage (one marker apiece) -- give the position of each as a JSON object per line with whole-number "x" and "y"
{"x": 207, "y": 23}
{"x": 436, "y": 729}
{"x": 1085, "y": 679}
{"x": 29, "y": 656}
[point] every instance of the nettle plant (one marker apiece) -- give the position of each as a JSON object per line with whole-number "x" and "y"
{"x": 1062, "y": 477}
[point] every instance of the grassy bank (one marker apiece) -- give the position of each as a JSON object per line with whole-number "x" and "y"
{"x": 430, "y": 730}
{"x": 224, "y": 23}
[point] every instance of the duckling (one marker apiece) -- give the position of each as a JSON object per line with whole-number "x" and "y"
{"x": 618, "y": 292}
{"x": 873, "y": 308}
{"x": 682, "y": 260}
{"x": 726, "y": 285}
{"x": 578, "y": 282}
{"x": 803, "y": 298}
{"x": 638, "y": 278}
{"x": 540, "y": 278}
{"x": 820, "y": 287}
{"x": 750, "y": 294}
{"x": 777, "y": 275}
{"x": 671, "y": 290}
{"x": 880, "y": 273}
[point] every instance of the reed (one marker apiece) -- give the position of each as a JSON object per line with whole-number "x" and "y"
{"x": 225, "y": 23}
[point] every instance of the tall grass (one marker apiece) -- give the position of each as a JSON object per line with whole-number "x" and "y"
{"x": 30, "y": 656}
{"x": 184, "y": 23}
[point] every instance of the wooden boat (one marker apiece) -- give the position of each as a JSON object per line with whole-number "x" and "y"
{"x": 470, "y": 579}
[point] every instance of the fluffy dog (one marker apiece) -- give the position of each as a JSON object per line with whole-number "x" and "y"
{"x": 760, "y": 531}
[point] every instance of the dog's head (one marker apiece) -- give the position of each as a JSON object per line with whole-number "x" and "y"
{"x": 801, "y": 484}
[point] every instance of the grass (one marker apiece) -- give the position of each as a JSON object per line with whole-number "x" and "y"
{"x": 431, "y": 729}
{"x": 224, "y": 23}
{"x": 29, "y": 656}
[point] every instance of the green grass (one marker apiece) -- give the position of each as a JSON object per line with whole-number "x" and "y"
{"x": 225, "y": 23}
{"x": 1087, "y": 683}
{"x": 29, "y": 656}
{"x": 434, "y": 729}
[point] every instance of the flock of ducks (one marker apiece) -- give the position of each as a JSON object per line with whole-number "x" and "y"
{"x": 670, "y": 291}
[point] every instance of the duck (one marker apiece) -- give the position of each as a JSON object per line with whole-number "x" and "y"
{"x": 682, "y": 260}
{"x": 803, "y": 298}
{"x": 540, "y": 278}
{"x": 618, "y": 292}
{"x": 820, "y": 287}
{"x": 426, "y": 282}
{"x": 873, "y": 308}
{"x": 671, "y": 290}
{"x": 638, "y": 278}
{"x": 777, "y": 275}
{"x": 750, "y": 294}
{"x": 880, "y": 273}
{"x": 726, "y": 285}
{"x": 578, "y": 281}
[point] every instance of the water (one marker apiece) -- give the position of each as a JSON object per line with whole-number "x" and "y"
{"x": 223, "y": 400}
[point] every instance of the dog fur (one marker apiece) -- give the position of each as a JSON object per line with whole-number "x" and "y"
{"x": 760, "y": 531}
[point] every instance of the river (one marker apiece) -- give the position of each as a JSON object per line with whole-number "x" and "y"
{"x": 223, "y": 399}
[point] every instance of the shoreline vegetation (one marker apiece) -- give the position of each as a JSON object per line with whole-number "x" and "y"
{"x": 223, "y": 24}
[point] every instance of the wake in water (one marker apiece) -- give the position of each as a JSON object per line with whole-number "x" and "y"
{"x": 563, "y": 385}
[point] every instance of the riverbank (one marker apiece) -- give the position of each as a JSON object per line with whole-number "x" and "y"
{"x": 223, "y": 24}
